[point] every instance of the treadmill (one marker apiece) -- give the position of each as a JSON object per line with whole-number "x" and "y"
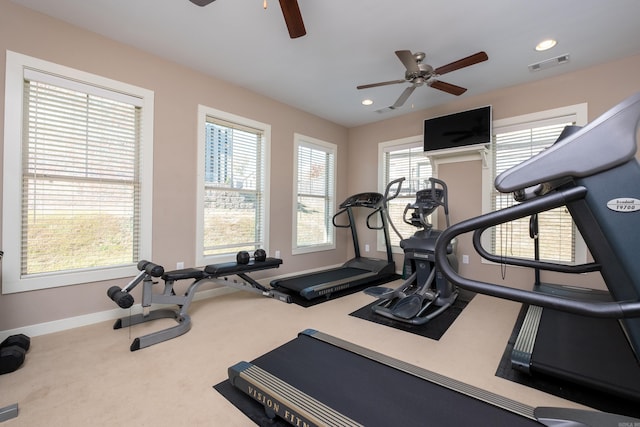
{"x": 359, "y": 270}
{"x": 319, "y": 380}
{"x": 587, "y": 337}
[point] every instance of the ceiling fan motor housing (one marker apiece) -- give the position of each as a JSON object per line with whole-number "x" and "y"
{"x": 419, "y": 77}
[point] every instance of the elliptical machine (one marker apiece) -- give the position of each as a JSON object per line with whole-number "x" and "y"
{"x": 425, "y": 293}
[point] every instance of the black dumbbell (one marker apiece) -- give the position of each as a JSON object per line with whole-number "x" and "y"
{"x": 12, "y": 352}
{"x": 243, "y": 257}
{"x": 123, "y": 299}
{"x": 11, "y": 358}
{"x": 21, "y": 340}
{"x": 260, "y": 255}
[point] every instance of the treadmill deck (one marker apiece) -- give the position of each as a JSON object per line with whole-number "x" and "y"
{"x": 371, "y": 389}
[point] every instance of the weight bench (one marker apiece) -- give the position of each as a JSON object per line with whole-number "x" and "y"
{"x": 217, "y": 273}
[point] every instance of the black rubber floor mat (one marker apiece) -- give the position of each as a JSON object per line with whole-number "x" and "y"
{"x": 252, "y": 409}
{"x": 433, "y": 329}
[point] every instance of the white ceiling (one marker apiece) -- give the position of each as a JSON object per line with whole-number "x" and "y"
{"x": 352, "y": 42}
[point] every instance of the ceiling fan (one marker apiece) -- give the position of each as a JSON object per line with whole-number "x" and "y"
{"x": 419, "y": 74}
{"x": 290, "y": 10}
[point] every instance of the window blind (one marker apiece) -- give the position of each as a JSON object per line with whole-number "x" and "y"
{"x": 556, "y": 234}
{"x": 80, "y": 182}
{"x": 234, "y": 187}
{"x": 411, "y": 163}
{"x": 315, "y": 195}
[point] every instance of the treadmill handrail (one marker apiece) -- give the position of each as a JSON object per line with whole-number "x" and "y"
{"x": 374, "y": 227}
{"x": 333, "y": 219}
{"x": 616, "y": 310}
{"x": 382, "y": 205}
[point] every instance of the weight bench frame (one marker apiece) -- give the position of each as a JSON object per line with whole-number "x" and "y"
{"x": 216, "y": 273}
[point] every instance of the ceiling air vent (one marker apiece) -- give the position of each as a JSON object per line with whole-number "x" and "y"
{"x": 548, "y": 63}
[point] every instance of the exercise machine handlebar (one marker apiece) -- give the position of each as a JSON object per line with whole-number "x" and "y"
{"x": 390, "y": 185}
{"x": 376, "y": 201}
{"x": 373, "y": 226}
{"x": 616, "y": 310}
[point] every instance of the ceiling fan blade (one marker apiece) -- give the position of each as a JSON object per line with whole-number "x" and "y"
{"x": 447, "y": 87}
{"x": 404, "y": 96}
{"x": 293, "y": 18}
{"x": 408, "y": 60}
{"x": 385, "y": 109}
{"x": 202, "y": 2}
{"x": 461, "y": 63}
{"x": 391, "y": 82}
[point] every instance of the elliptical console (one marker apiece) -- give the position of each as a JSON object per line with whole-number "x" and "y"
{"x": 427, "y": 201}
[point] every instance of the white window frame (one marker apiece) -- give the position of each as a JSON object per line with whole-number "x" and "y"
{"x": 316, "y": 144}
{"x": 16, "y": 66}
{"x": 203, "y": 112}
{"x": 394, "y": 145}
{"x": 579, "y": 114}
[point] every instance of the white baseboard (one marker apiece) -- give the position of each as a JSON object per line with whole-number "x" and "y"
{"x": 116, "y": 313}
{"x": 102, "y": 316}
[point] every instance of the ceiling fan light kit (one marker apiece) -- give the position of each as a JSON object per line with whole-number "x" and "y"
{"x": 419, "y": 74}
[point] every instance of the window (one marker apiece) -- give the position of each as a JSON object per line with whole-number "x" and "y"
{"x": 232, "y": 189}
{"x": 314, "y": 175}
{"x": 75, "y": 205}
{"x": 402, "y": 158}
{"x": 514, "y": 141}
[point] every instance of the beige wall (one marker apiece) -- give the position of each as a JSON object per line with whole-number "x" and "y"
{"x": 179, "y": 90}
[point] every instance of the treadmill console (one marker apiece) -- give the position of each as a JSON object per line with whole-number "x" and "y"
{"x": 367, "y": 200}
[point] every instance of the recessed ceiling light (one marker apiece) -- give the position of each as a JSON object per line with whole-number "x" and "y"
{"x": 546, "y": 45}
{"x": 367, "y": 102}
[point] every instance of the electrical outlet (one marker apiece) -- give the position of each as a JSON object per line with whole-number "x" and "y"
{"x": 366, "y": 248}
{"x": 277, "y": 253}
{"x": 465, "y": 259}
{"x": 179, "y": 265}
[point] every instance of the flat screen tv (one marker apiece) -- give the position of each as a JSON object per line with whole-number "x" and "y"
{"x": 456, "y": 130}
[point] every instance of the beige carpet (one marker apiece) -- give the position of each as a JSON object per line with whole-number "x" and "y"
{"x": 88, "y": 377}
